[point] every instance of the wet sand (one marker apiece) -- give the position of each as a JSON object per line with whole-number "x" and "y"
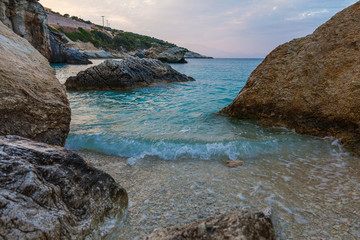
{"x": 312, "y": 198}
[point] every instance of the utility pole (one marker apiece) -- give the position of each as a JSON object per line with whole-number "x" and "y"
{"x": 103, "y": 21}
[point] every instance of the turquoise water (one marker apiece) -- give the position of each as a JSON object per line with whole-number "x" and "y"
{"x": 179, "y": 120}
{"x": 177, "y": 144}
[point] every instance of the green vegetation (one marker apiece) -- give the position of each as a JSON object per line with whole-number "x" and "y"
{"x": 121, "y": 40}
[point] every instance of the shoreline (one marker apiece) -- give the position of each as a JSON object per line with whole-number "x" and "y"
{"x": 165, "y": 193}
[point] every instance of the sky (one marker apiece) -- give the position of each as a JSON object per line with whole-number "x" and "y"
{"x": 217, "y": 28}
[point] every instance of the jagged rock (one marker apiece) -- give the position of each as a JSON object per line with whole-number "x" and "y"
{"x": 33, "y": 103}
{"x": 310, "y": 84}
{"x": 60, "y": 53}
{"x": 27, "y": 18}
{"x": 49, "y": 192}
{"x": 97, "y": 54}
{"x": 124, "y": 74}
{"x": 191, "y": 54}
{"x": 166, "y": 54}
{"x": 241, "y": 225}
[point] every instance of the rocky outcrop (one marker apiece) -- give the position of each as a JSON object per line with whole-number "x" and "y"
{"x": 124, "y": 74}
{"x": 166, "y": 54}
{"x": 27, "y": 18}
{"x": 97, "y": 54}
{"x": 191, "y": 54}
{"x": 60, "y": 53}
{"x": 49, "y": 192}
{"x": 240, "y": 225}
{"x": 310, "y": 84}
{"x": 33, "y": 103}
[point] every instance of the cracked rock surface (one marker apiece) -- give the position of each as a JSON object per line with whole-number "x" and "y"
{"x": 131, "y": 72}
{"x": 49, "y": 192}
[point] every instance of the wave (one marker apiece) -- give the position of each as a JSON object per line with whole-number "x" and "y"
{"x": 140, "y": 148}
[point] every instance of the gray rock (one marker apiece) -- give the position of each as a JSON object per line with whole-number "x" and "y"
{"x": 62, "y": 54}
{"x": 49, "y": 192}
{"x": 241, "y": 225}
{"x": 124, "y": 74}
{"x": 97, "y": 54}
{"x": 191, "y": 54}
{"x": 166, "y": 54}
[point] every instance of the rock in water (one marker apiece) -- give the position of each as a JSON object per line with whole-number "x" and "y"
{"x": 166, "y": 54}
{"x": 49, "y": 192}
{"x": 234, "y": 163}
{"x": 60, "y": 53}
{"x": 310, "y": 84}
{"x": 33, "y": 103}
{"x": 191, "y": 54}
{"x": 27, "y": 18}
{"x": 124, "y": 74}
{"x": 240, "y": 225}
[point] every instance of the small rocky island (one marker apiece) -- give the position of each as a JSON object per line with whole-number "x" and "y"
{"x": 131, "y": 72}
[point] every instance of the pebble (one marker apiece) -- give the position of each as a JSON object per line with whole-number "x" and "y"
{"x": 159, "y": 196}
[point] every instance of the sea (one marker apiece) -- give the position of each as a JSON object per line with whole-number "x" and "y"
{"x": 311, "y": 183}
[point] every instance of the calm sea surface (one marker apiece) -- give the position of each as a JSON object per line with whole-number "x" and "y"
{"x": 310, "y": 182}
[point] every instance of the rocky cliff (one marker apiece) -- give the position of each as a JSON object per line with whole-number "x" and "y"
{"x": 131, "y": 72}
{"x": 27, "y": 18}
{"x": 33, "y": 103}
{"x": 310, "y": 84}
{"x": 166, "y": 54}
{"x": 49, "y": 192}
{"x": 60, "y": 53}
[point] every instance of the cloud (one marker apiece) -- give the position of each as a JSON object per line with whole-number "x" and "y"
{"x": 307, "y": 14}
{"x": 245, "y": 28}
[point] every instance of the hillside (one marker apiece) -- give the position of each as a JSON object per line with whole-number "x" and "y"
{"x": 77, "y": 29}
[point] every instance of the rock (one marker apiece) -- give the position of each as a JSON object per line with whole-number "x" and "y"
{"x": 124, "y": 74}
{"x": 166, "y": 54}
{"x": 234, "y": 164}
{"x": 241, "y": 225}
{"x": 97, "y": 54}
{"x": 310, "y": 84}
{"x": 27, "y": 18}
{"x": 33, "y": 103}
{"x": 140, "y": 54}
{"x": 191, "y": 54}
{"x": 60, "y": 53}
{"x": 49, "y": 192}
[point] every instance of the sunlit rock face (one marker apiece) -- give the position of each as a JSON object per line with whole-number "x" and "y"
{"x": 27, "y": 18}
{"x": 33, "y": 103}
{"x": 310, "y": 84}
{"x": 49, "y": 192}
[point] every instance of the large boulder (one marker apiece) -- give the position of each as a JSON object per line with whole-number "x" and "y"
{"x": 166, "y": 54}
{"x": 27, "y": 18}
{"x": 240, "y": 225}
{"x": 33, "y": 103}
{"x": 60, "y": 53}
{"x": 310, "y": 84}
{"x": 49, "y": 192}
{"x": 124, "y": 74}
